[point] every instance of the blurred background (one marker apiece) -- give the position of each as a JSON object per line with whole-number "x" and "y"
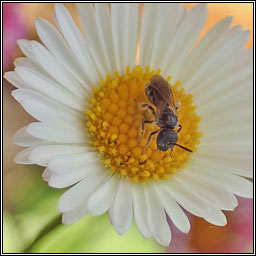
{"x": 29, "y": 204}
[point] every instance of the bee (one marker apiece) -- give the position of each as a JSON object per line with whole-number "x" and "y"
{"x": 160, "y": 95}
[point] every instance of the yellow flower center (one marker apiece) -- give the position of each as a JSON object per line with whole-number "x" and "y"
{"x": 114, "y": 121}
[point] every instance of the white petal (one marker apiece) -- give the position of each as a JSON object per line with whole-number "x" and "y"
{"x": 240, "y": 139}
{"x": 62, "y": 180}
{"x": 216, "y": 217}
{"x": 234, "y": 73}
{"x": 47, "y": 174}
{"x": 79, "y": 193}
{"x": 28, "y": 63}
{"x": 213, "y": 64}
{"x": 140, "y": 211}
{"x": 240, "y": 122}
{"x": 242, "y": 166}
{"x": 204, "y": 49}
{"x": 183, "y": 12}
{"x": 101, "y": 200}
{"x": 24, "y": 45}
{"x": 122, "y": 207}
{"x": 167, "y": 17}
{"x": 57, "y": 70}
{"x": 24, "y": 139}
{"x": 146, "y": 38}
{"x": 229, "y": 99}
{"x": 184, "y": 39}
{"x": 51, "y": 133}
{"x": 211, "y": 192}
{"x": 191, "y": 68}
{"x": 237, "y": 72}
{"x": 225, "y": 148}
{"x": 241, "y": 148}
{"x": 153, "y": 46}
{"x": 36, "y": 81}
{"x": 104, "y": 28}
{"x": 176, "y": 214}
{"x": 77, "y": 43}
{"x": 95, "y": 40}
{"x": 156, "y": 217}
{"x": 46, "y": 110}
{"x": 63, "y": 163}
{"x": 125, "y": 26}
{"x": 23, "y": 156}
{"x": 55, "y": 43}
{"x": 74, "y": 215}
{"x": 42, "y": 154}
{"x": 14, "y": 79}
{"x": 189, "y": 201}
{"x": 237, "y": 185}
{"x": 25, "y": 62}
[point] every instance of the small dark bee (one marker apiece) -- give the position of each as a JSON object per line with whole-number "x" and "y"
{"x": 160, "y": 95}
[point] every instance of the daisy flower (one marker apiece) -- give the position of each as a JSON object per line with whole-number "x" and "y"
{"x": 86, "y": 88}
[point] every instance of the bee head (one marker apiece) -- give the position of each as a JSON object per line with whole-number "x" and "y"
{"x": 166, "y": 139}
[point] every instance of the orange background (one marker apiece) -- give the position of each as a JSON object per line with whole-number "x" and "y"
{"x": 242, "y": 12}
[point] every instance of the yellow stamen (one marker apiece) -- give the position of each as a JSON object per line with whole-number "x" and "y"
{"x": 114, "y": 122}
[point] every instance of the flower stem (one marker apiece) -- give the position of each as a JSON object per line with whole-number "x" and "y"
{"x": 46, "y": 230}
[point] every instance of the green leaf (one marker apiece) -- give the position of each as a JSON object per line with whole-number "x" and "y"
{"x": 95, "y": 234}
{"x": 11, "y": 238}
{"x": 29, "y": 200}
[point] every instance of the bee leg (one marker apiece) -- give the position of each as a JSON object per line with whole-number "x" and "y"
{"x": 178, "y": 104}
{"x": 150, "y": 136}
{"x": 142, "y": 127}
{"x": 180, "y": 127}
{"x": 145, "y": 105}
{"x": 171, "y": 151}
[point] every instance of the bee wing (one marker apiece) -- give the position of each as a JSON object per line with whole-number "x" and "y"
{"x": 160, "y": 107}
{"x": 163, "y": 88}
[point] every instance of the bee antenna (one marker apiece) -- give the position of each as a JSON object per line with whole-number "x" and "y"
{"x": 187, "y": 149}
